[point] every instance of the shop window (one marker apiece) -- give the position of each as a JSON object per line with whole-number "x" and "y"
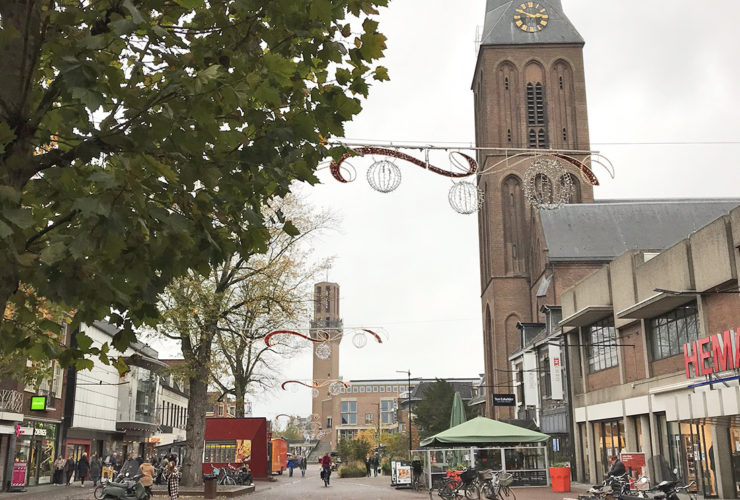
{"x": 349, "y": 412}
{"x": 219, "y": 452}
{"x": 670, "y": 331}
{"x": 602, "y": 349}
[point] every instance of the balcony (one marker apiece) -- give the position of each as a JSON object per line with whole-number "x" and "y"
{"x": 11, "y": 405}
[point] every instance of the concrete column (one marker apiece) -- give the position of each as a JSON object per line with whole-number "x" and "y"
{"x": 646, "y": 445}
{"x": 578, "y": 445}
{"x": 594, "y": 476}
{"x": 656, "y": 473}
{"x": 723, "y": 461}
{"x": 630, "y": 437}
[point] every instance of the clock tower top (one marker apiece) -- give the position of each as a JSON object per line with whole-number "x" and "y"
{"x": 524, "y": 22}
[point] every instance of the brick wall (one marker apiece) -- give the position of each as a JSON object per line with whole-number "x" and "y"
{"x": 633, "y": 354}
{"x": 603, "y": 379}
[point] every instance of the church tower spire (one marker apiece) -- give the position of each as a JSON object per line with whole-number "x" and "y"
{"x": 530, "y": 94}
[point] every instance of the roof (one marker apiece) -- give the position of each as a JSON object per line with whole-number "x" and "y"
{"x": 602, "y": 230}
{"x": 465, "y": 388}
{"x": 499, "y": 27}
{"x": 481, "y": 430}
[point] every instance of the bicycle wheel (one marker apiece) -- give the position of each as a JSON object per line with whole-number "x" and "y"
{"x": 472, "y": 492}
{"x": 505, "y": 493}
{"x": 98, "y": 492}
{"x": 229, "y": 481}
{"x": 489, "y": 490}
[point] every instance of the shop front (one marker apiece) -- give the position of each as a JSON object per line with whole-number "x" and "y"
{"x": 36, "y": 446}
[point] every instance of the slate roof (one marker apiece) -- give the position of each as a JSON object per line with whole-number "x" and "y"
{"x": 607, "y": 228}
{"x": 499, "y": 28}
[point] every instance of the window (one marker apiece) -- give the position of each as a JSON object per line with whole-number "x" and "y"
{"x": 545, "y": 374}
{"x": 219, "y": 452}
{"x": 506, "y": 83}
{"x": 602, "y": 349}
{"x": 368, "y": 418}
{"x": 232, "y": 410}
{"x": 220, "y": 410}
{"x": 349, "y": 412}
{"x": 382, "y": 389}
{"x": 519, "y": 384}
{"x": 670, "y": 331}
{"x": 395, "y": 388}
{"x": 508, "y": 135}
{"x": 328, "y": 422}
{"x": 341, "y": 390}
{"x": 354, "y": 389}
{"x": 362, "y": 388}
{"x": 565, "y": 135}
{"x": 560, "y": 80}
{"x": 375, "y": 388}
{"x": 387, "y": 411}
{"x": 387, "y": 388}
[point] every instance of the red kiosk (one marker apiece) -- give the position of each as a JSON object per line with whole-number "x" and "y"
{"x": 232, "y": 440}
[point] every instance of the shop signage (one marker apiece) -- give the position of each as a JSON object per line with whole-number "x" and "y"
{"x": 556, "y": 377}
{"x": 20, "y": 469}
{"x": 634, "y": 460}
{"x": 504, "y": 400}
{"x": 531, "y": 386}
{"x": 38, "y": 403}
{"x": 29, "y": 431}
{"x": 712, "y": 354}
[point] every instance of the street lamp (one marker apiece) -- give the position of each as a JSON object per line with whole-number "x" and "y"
{"x": 408, "y": 388}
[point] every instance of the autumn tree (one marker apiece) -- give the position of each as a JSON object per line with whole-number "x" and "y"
{"x": 292, "y": 430}
{"x": 140, "y": 139}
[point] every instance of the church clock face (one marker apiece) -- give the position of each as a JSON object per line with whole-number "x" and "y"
{"x": 531, "y": 17}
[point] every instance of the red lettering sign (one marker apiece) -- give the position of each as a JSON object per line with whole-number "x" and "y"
{"x": 722, "y": 353}
{"x": 690, "y": 358}
{"x": 556, "y": 361}
{"x": 702, "y": 355}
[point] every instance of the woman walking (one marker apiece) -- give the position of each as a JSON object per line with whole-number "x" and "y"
{"x": 83, "y": 469}
{"x": 173, "y": 479}
{"x": 59, "y": 464}
{"x": 96, "y": 469}
{"x": 69, "y": 470}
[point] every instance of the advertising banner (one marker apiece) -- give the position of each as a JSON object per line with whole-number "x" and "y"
{"x": 20, "y": 470}
{"x": 556, "y": 374}
{"x": 504, "y": 400}
{"x": 531, "y": 392}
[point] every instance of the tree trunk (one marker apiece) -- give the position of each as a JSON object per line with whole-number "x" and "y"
{"x": 240, "y": 390}
{"x": 192, "y": 470}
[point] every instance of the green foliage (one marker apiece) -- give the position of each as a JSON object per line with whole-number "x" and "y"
{"x": 353, "y": 469}
{"x": 353, "y": 449}
{"x": 140, "y": 139}
{"x": 385, "y": 467}
{"x": 433, "y": 411}
{"x": 291, "y": 432}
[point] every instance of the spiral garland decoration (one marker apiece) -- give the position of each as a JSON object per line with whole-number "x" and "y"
{"x": 335, "y": 166}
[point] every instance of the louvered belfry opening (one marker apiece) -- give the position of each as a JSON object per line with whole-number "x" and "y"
{"x": 536, "y": 125}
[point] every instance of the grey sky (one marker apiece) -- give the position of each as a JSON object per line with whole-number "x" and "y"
{"x": 655, "y": 72}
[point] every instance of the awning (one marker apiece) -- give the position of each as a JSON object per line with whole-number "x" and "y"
{"x": 587, "y": 316}
{"x": 655, "y": 305}
{"x": 484, "y": 431}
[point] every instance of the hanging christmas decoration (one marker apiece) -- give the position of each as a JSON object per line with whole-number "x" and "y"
{"x": 547, "y": 184}
{"x": 359, "y": 340}
{"x": 314, "y": 393}
{"x": 335, "y": 389}
{"x": 465, "y": 197}
{"x": 384, "y": 176}
{"x": 323, "y": 351}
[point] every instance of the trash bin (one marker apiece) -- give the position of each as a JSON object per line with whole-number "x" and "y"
{"x": 209, "y": 485}
{"x": 560, "y": 479}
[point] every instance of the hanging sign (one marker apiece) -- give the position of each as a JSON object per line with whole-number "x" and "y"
{"x": 556, "y": 376}
{"x": 504, "y": 400}
{"x": 38, "y": 403}
{"x": 531, "y": 392}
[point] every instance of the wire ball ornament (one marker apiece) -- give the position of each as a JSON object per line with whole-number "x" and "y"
{"x": 335, "y": 389}
{"x": 359, "y": 340}
{"x": 314, "y": 393}
{"x": 547, "y": 183}
{"x": 384, "y": 176}
{"x": 323, "y": 351}
{"x": 465, "y": 197}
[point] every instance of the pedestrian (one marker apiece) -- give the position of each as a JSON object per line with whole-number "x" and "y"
{"x": 59, "y": 464}
{"x": 367, "y": 465}
{"x": 173, "y": 479}
{"x": 114, "y": 461}
{"x": 303, "y": 465}
{"x": 146, "y": 469}
{"x": 69, "y": 470}
{"x": 83, "y": 469}
{"x": 291, "y": 465}
{"x": 96, "y": 469}
{"x": 376, "y": 464}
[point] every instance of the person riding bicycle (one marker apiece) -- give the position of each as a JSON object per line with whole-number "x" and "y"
{"x": 326, "y": 467}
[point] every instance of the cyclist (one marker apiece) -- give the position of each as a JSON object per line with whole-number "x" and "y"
{"x": 416, "y": 469}
{"x": 326, "y": 467}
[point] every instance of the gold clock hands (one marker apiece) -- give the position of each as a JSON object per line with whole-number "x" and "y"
{"x": 528, "y": 14}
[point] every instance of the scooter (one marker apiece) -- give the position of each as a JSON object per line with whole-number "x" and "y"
{"x": 128, "y": 489}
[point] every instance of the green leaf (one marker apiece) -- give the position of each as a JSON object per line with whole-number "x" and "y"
{"x": 5, "y": 230}
{"x": 53, "y": 253}
{"x": 135, "y": 14}
{"x": 189, "y": 4}
{"x": 83, "y": 341}
{"x": 6, "y": 136}
{"x": 23, "y": 218}
{"x": 10, "y": 194}
{"x": 290, "y": 229}
{"x": 84, "y": 364}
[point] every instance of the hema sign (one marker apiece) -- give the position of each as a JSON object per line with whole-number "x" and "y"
{"x": 712, "y": 354}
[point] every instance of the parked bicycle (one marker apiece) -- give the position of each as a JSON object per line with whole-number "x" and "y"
{"x": 459, "y": 484}
{"x": 497, "y": 485}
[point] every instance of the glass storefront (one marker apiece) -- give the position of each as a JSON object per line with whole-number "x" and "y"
{"x": 692, "y": 453}
{"x": 609, "y": 438}
{"x": 735, "y": 448}
{"x": 37, "y": 446}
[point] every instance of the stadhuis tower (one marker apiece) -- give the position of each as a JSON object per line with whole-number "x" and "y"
{"x": 529, "y": 90}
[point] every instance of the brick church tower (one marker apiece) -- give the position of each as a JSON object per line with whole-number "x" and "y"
{"x": 530, "y": 93}
{"x": 326, "y": 319}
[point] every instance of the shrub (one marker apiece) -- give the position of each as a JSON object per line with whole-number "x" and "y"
{"x": 352, "y": 469}
{"x": 386, "y": 468}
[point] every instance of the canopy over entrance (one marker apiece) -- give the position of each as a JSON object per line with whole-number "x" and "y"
{"x": 481, "y": 431}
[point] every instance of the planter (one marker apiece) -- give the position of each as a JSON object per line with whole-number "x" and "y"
{"x": 560, "y": 479}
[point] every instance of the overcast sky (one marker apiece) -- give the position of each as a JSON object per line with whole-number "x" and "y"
{"x": 656, "y": 72}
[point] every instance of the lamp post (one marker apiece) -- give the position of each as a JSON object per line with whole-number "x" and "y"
{"x": 408, "y": 389}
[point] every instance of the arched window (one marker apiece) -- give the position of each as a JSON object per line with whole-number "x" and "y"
{"x": 575, "y": 190}
{"x": 512, "y": 197}
{"x": 537, "y": 133}
{"x": 506, "y": 83}
{"x": 544, "y": 188}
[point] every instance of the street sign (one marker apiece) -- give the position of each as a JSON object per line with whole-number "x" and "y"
{"x": 504, "y": 400}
